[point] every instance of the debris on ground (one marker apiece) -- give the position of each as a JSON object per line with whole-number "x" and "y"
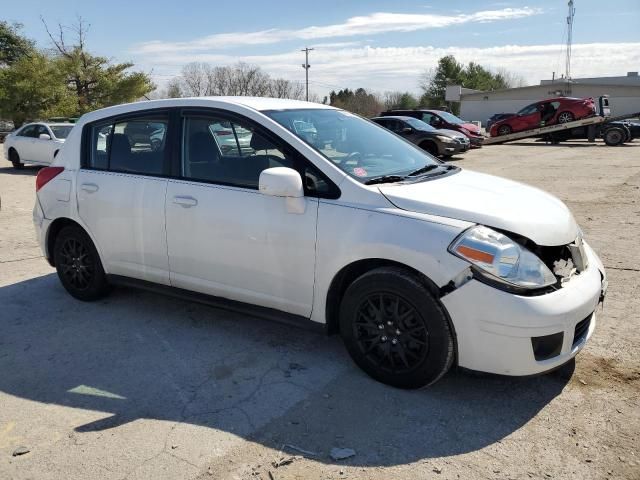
{"x": 298, "y": 449}
{"x": 342, "y": 453}
{"x": 283, "y": 461}
{"x": 437, "y": 469}
{"x": 20, "y": 451}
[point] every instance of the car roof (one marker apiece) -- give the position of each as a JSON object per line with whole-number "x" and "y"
{"x": 256, "y": 103}
{"x": 59, "y": 124}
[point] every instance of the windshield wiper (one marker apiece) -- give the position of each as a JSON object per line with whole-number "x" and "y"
{"x": 425, "y": 169}
{"x": 385, "y": 179}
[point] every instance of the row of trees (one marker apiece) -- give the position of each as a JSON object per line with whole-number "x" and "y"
{"x": 433, "y": 85}
{"x": 202, "y": 79}
{"x": 63, "y": 80}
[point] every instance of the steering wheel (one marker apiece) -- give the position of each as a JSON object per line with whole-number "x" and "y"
{"x": 354, "y": 156}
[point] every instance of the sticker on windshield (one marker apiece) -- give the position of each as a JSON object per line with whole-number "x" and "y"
{"x": 359, "y": 172}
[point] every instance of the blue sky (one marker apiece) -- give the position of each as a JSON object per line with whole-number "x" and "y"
{"x": 380, "y": 45}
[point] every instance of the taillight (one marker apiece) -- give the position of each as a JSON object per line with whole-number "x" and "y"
{"x": 45, "y": 175}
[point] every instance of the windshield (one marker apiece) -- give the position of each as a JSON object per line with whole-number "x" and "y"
{"x": 419, "y": 124}
{"x": 61, "y": 131}
{"x": 357, "y": 146}
{"x": 451, "y": 118}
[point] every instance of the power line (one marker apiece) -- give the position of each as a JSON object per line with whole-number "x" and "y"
{"x": 306, "y": 67}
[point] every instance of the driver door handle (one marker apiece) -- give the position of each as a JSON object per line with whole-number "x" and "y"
{"x": 89, "y": 187}
{"x": 186, "y": 201}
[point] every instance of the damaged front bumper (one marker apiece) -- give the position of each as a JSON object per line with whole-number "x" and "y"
{"x": 504, "y": 333}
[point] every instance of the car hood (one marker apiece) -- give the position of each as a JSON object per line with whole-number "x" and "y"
{"x": 491, "y": 201}
{"x": 450, "y": 133}
{"x": 472, "y": 127}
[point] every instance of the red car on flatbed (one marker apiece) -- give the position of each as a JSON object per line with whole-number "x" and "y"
{"x": 546, "y": 112}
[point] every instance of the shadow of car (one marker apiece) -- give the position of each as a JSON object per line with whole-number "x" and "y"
{"x": 143, "y": 356}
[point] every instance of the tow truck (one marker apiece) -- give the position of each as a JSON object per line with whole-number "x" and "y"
{"x": 600, "y": 125}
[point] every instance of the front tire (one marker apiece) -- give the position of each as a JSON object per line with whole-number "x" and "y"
{"x": 14, "y": 158}
{"x": 78, "y": 265}
{"x": 395, "y": 330}
{"x": 430, "y": 147}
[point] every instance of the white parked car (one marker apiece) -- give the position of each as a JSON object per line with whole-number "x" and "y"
{"x": 36, "y": 143}
{"x": 418, "y": 265}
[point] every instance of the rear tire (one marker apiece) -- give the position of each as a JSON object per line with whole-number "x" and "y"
{"x": 614, "y": 136}
{"x": 14, "y": 158}
{"x": 504, "y": 130}
{"x": 566, "y": 117}
{"x": 395, "y": 330}
{"x": 78, "y": 265}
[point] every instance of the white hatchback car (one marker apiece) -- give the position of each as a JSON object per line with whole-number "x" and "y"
{"x": 36, "y": 143}
{"x": 326, "y": 217}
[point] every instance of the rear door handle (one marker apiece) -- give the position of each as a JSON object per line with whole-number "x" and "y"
{"x": 185, "y": 201}
{"x": 89, "y": 187}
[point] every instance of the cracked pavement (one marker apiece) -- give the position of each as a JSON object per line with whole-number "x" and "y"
{"x": 140, "y": 386}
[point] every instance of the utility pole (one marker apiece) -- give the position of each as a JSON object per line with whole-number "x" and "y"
{"x": 306, "y": 67}
{"x": 572, "y": 12}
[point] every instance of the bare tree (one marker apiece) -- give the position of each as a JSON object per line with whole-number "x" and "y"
{"x": 196, "y": 79}
{"x": 513, "y": 80}
{"x": 241, "y": 79}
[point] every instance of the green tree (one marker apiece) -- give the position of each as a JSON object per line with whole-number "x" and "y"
{"x": 33, "y": 87}
{"x": 451, "y": 72}
{"x": 13, "y": 45}
{"x": 96, "y": 81}
{"x": 434, "y": 83}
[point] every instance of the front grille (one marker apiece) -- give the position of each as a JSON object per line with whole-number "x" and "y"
{"x": 582, "y": 328}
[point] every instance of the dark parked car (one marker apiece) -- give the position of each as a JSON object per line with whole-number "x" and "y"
{"x": 442, "y": 120}
{"x": 496, "y": 117}
{"x": 545, "y": 112}
{"x": 444, "y": 143}
{"x": 6, "y": 128}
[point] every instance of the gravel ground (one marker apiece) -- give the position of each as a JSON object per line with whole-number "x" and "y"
{"x": 142, "y": 386}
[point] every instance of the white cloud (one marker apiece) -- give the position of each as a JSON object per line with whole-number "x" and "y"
{"x": 391, "y": 68}
{"x": 375, "y": 23}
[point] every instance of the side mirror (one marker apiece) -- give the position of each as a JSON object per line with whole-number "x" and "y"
{"x": 44, "y": 136}
{"x": 407, "y": 130}
{"x": 281, "y": 182}
{"x": 284, "y": 182}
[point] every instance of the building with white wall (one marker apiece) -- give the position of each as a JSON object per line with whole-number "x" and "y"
{"x": 624, "y": 95}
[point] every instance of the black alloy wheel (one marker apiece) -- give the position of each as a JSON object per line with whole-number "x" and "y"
{"x": 78, "y": 264}
{"x": 395, "y": 329}
{"x": 390, "y": 333}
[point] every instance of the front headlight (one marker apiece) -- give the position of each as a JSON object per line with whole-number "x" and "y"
{"x": 500, "y": 259}
{"x": 444, "y": 139}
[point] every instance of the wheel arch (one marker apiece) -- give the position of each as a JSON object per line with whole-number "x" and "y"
{"x": 427, "y": 142}
{"x": 352, "y": 271}
{"x": 52, "y": 233}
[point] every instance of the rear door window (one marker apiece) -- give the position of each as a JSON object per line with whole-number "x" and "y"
{"x": 131, "y": 145}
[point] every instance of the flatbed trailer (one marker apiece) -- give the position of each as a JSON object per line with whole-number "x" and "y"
{"x": 537, "y": 132}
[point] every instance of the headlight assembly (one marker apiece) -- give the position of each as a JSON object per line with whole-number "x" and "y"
{"x": 445, "y": 139}
{"x": 501, "y": 260}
